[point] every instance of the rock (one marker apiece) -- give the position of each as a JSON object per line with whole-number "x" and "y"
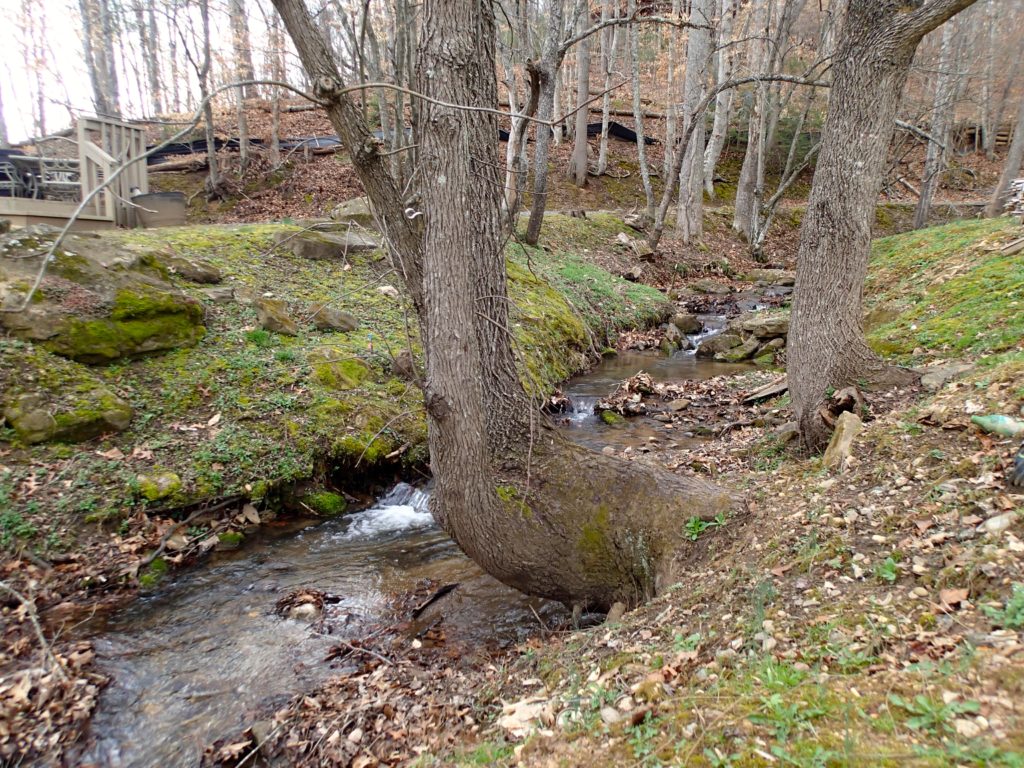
{"x": 642, "y": 249}
{"x": 623, "y": 239}
{"x": 615, "y": 613}
{"x": 999, "y": 523}
{"x": 98, "y": 303}
{"x": 403, "y": 366}
{"x": 633, "y": 274}
{"x": 679, "y": 405}
{"x": 635, "y": 221}
{"x": 770, "y": 276}
{"x": 743, "y": 351}
{"x": 787, "y": 432}
{"x": 686, "y": 322}
{"x": 327, "y": 318}
{"x": 763, "y": 325}
{"x": 668, "y": 348}
{"x": 388, "y": 290}
{"x": 5, "y": 226}
{"x": 848, "y": 426}
{"x": 718, "y": 343}
{"x": 304, "y": 612}
{"x": 273, "y": 316}
{"x": 355, "y": 211}
{"x": 44, "y": 397}
{"x": 934, "y": 379}
{"x": 158, "y": 485}
{"x": 220, "y": 295}
{"x": 672, "y": 333}
{"x": 336, "y": 369}
{"x": 325, "y": 246}
{"x": 610, "y": 715}
{"x": 709, "y": 286}
{"x": 193, "y": 270}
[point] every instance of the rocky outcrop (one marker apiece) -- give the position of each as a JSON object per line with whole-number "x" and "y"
{"x": 47, "y": 398}
{"x": 99, "y": 300}
{"x": 355, "y": 211}
{"x": 322, "y": 246}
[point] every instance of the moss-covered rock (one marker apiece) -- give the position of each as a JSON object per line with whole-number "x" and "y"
{"x": 159, "y": 485}
{"x": 46, "y": 398}
{"x": 273, "y": 316}
{"x": 97, "y": 303}
{"x": 333, "y": 369}
{"x": 324, "y": 503}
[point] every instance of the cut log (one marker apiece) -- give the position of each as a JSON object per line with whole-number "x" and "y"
{"x": 768, "y": 391}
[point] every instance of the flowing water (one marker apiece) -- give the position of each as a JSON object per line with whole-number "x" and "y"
{"x": 206, "y": 655}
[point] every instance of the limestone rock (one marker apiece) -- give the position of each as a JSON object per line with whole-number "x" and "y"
{"x": 193, "y": 270}
{"x": 783, "y": 277}
{"x": 710, "y": 286}
{"x": 934, "y": 379}
{"x": 403, "y": 366}
{"x": 634, "y": 274}
{"x": 327, "y": 318}
{"x": 686, "y": 322}
{"x": 615, "y": 613}
{"x": 157, "y": 486}
{"x": 273, "y": 316}
{"x": 388, "y": 290}
{"x": 324, "y": 246}
{"x": 44, "y": 397}
{"x": 848, "y": 426}
{"x": 101, "y": 301}
{"x": 719, "y": 343}
{"x": 220, "y": 295}
{"x": 764, "y": 325}
{"x": 743, "y": 351}
{"x": 355, "y": 211}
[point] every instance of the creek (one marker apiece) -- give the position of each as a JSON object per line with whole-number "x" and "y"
{"x": 206, "y": 655}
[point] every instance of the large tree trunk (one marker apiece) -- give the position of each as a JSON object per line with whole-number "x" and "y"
{"x": 547, "y": 70}
{"x": 242, "y": 47}
{"x": 638, "y": 113}
{"x": 723, "y": 102}
{"x": 544, "y": 516}
{"x": 1011, "y": 169}
{"x": 942, "y": 115}
{"x": 690, "y": 212}
{"x": 578, "y": 159}
{"x": 826, "y": 347}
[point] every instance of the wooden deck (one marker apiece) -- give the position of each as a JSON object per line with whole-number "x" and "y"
{"x": 22, "y": 211}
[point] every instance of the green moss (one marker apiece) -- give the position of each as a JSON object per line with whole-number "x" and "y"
{"x": 594, "y": 547}
{"x": 326, "y": 503}
{"x": 153, "y": 574}
{"x": 510, "y": 497}
{"x": 157, "y": 486}
{"x": 333, "y": 372}
{"x": 613, "y": 419}
{"x": 231, "y": 539}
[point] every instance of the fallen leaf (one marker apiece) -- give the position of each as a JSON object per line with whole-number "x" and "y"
{"x": 214, "y": 420}
{"x": 113, "y": 453}
{"x": 953, "y": 597}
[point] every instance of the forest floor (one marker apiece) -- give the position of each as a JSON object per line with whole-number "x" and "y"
{"x": 868, "y": 616}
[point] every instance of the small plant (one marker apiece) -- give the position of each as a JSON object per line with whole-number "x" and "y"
{"x": 285, "y": 356}
{"x": 14, "y": 526}
{"x": 681, "y": 643}
{"x": 695, "y": 526}
{"x": 785, "y": 717}
{"x": 887, "y": 570}
{"x": 643, "y": 741}
{"x": 260, "y": 338}
{"x": 929, "y": 715}
{"x": 1012, "y": 616}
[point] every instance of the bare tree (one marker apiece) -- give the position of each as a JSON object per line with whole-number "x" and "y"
{"x": 609, "y": 45}
{"x": 943, "y": 108}
{"x": 757, "y": 58}
{"x": 98, "y": 40}
{"x": 826, "y": 346}
{"x": 638, "y": 113}
{"x": 690, "y": 213}
{"x": 1011, "y": 168}
{"x": 578, "y": 160}
{"x": 537, "y": 512}
{"x": 242, "y": 46}
{"x": 4, "y": 140}
{"x": 725, "y": 57}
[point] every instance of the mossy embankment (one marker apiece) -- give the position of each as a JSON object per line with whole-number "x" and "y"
{"x": 246, "y": 411}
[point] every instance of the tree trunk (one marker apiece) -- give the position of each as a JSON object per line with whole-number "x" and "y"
{"x": 546, "y": 70}
{"x": 690, "y": 212}
{"x": 578, "y": 159}
{"x": 4, "y": 140}
{"x": 242, "y": 47}
{"x": 743, "y": 213}
{"x": 942, "y": 108}
{"x": 547, "y": 517}
{"x": 671, "y": 107}
{"x": 638, "y": 114}
{"x": 1011, "y": 169}
{"x": 97, "y": 42}
{"x": 609, "y": 43}
{"x": 723, "y": 102}
{"x": 826, "y": 347}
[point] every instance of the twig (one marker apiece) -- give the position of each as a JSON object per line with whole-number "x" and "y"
{"x": 33, "y": 617}
{"x": 357, "y": 649}
{"x": 179, "y": 525}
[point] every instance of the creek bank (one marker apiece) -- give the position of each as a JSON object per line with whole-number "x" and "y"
{"x": 238, "y": 422}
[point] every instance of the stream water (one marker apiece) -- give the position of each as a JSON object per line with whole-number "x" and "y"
{"x": 206, "y": 654}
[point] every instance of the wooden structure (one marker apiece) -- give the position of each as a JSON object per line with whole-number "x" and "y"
{"x": 39, "y": 189}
